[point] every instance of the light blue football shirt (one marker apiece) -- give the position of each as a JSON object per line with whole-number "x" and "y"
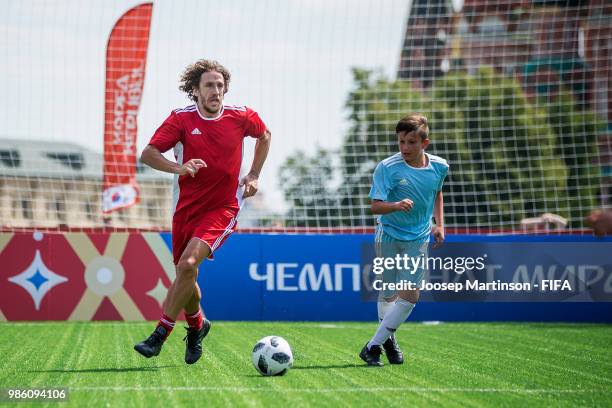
{"x": 395, "y": 180}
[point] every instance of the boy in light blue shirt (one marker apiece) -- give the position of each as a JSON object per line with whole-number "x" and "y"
{"x": 406, "y": 192}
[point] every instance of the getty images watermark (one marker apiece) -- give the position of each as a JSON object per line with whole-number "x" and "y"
{"x": 413, "y": 265}
{"x": 485, "y": 271}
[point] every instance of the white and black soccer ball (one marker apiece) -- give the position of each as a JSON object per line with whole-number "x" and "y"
{"x": 272, "y": 356}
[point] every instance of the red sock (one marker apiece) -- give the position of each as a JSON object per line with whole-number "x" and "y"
{"x": 167, "y": 323}
{"x": 194, "y": 320}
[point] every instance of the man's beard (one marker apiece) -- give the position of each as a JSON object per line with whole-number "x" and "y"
{"x": 211, "y": 111}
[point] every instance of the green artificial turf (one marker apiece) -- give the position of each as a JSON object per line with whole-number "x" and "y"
{"x": 453, "y": 364}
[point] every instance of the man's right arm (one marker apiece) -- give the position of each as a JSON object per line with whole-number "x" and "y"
{"x": 152, "y": 157}
{"x": 384, "y": 207}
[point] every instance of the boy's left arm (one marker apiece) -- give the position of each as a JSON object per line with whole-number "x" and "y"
{"x": 438, "y": 231}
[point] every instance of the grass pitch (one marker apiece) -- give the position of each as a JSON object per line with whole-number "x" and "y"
{"x": 453, "y": 364}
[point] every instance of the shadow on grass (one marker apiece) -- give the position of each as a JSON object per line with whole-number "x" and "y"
{"x": 104, "y": 370}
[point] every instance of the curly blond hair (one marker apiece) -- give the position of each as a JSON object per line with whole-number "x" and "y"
{"x": 190, "y": 78}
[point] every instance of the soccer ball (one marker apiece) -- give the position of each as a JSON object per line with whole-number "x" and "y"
{"x": 272, "y": 356}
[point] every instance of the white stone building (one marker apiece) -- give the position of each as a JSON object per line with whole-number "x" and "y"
{"x": 59, "y": 185}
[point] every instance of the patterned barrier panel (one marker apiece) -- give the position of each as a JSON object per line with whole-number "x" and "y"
{"x": 125, "y": 276}
{"x": 83, "y": 276}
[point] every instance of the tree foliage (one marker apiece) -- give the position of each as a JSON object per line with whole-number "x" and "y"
{"x": 509, "y": 159}
{"x": 576, "y": 132}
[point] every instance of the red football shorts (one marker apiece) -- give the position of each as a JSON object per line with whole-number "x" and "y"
{"x": 212, "y": 227}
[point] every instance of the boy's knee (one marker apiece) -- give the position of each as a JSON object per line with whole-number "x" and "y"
{"x": 411, "y": 296}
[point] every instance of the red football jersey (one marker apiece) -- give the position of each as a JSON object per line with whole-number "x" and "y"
{"x": 218, "y": 141}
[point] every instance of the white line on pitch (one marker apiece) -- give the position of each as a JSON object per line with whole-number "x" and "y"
{"x": 326, "y": 390}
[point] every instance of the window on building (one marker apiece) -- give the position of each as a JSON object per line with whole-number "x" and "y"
{"x": 492, "y": 25}
{"x": 26, "y": 209}
{"x": 60, "y": 210}
{"x": 152, "y": 211}
{"x": 73, "y": 160}
{"x": 89, "y": 210}
{"x": 10, "y": 157}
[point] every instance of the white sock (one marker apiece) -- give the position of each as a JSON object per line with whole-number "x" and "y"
{"x": 393, "y": 319}
{"x": 383, "y": 308}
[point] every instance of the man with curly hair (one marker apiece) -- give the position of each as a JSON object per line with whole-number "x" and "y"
{"x": 207, "y": 139}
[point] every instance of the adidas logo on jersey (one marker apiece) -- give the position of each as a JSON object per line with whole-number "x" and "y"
{"x": 403, "y": 182}
{"x": 196, "y": 131}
